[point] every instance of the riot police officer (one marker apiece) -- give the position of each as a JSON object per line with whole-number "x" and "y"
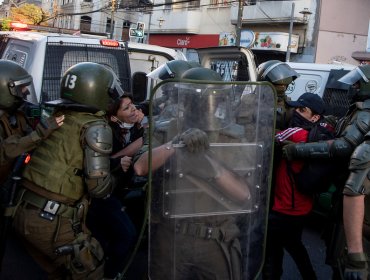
{"x": 71, "y": 167}
{"x": 16, "y": 135}
{"x": 203, "y": 184}
{"x": 280, "y": 75}
{"x": 351, "y": 131}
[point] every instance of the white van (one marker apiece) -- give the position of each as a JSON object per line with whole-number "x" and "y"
{"x": 46, "y": 56}
{"x": 322, "y": 79}
{"x": 145, "y": 58}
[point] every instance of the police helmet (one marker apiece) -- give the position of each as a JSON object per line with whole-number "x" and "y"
{"x": 88, "y": 86}
{"x": 206, "y": 105}
{"x": 276, "y": 72}
{"x": 15, "y": 85}
{"x": 170, "y": 70}
{"x": 360, "y": 74}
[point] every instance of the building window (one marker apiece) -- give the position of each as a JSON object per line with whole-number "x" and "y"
{"x": 194, "y": 4}
{"x": 108, "y": 25}
{"x": 220, "y": 2}
{"x": 168, "y": 4}
{"x": 85, "y": 23}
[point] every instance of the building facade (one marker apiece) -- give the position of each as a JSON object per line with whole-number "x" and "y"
{"x": 330, "y": 31}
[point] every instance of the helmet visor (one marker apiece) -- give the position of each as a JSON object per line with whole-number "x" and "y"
{"x": 279, "y": 72}
{"x": 23, "y": 89}
{"x": 353, "y": 76}
{"x": 116, "y": 91}
{"x": 161, "y": 73}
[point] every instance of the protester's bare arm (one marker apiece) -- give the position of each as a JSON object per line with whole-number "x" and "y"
{"x": 130, "y": 150}
{"x": 353, "y": 218}
{"x": 159, "y": 157}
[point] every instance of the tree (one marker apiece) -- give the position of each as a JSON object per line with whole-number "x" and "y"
{"x": 29, "y": 13}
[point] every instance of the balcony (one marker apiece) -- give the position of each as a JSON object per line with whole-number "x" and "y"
{"x": 272, "y": 11}
{"x": 174, "y": 21}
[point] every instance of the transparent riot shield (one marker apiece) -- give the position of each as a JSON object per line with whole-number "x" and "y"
{"x": 211, "y": 146}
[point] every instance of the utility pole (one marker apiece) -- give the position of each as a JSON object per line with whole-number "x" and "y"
{"x": 112, "y": 19}
{"x": 239, "y": 23}
{"x": 290, "y": 34}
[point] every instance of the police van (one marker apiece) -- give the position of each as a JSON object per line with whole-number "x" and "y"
{"x": 46, "y": 56}
{"x": 322, "y": 79}
{"x": 145, "y": 58}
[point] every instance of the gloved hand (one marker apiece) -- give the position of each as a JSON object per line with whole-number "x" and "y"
{"x": 195, "y": 140}
{"x": 46, "y": 126}
{"x": 289, "y": 151}
{"x": 355, "y": 267}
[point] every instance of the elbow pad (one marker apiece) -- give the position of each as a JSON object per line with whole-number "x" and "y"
{"x": 312, "y": 150}
{"x": 358, "y": 182}
{"x": 98, "y": 147}
{"x": 340, "y": 148}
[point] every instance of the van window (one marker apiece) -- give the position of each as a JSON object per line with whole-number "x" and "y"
{"x": 59, "y": 57}
{"x": 139, "y": 86}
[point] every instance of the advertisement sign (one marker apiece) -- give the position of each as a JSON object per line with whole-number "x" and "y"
{"x": 137, "y": 30}
{"x": 247, "y": 38}
{"x": 275, "y": 41}
{"x": 227, "y": 39}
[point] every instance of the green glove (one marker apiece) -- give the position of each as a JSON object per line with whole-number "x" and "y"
{"x": 355, "y": 267}
{"x": 195, "y": 140}
{"x": 46, "y": 126}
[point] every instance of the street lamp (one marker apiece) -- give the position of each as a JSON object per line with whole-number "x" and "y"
{"x": 305, "y": 14}
{"x": 161, "y": 20}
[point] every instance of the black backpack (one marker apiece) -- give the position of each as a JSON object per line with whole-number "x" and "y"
{"x": 316, "y": 175}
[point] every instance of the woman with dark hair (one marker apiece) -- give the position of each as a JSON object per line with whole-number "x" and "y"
{"x": 107, "y": 219}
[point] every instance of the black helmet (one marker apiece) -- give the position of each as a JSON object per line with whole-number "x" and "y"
{"x": 88, "y": 86}
{"x": 360, "y": 74}
{"x": 170, "y": 70}
{"x": 15, "y": 85}
{"x": 276, "y": 72}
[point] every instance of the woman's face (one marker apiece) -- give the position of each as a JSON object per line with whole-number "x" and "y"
{"x": 127, "y": 112}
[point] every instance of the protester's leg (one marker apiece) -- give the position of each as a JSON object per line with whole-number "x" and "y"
{"x": 294, "y": 246}
{"x": 273, "y": 266}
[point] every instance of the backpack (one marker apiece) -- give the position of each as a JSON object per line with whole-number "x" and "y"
{"x": 316, "y": 175}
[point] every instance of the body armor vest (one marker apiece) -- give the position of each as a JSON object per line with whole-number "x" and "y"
{"x": 8, "y": 129}
{"x": 57, "y": 162}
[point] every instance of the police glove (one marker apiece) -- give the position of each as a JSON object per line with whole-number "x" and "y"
{"x": 195, "y": 140}
{"x": 289, "y": 151}
{"x": 355, "y": 267}
{"x": 46, "y": 126}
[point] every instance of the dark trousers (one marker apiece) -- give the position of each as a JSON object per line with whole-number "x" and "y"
{"x": 112, "y": 227}
{"x": 285, "y": 232}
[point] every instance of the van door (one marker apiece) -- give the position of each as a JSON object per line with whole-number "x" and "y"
{"x": 232, "y": 63}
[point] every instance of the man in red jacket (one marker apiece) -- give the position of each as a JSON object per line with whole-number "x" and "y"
{"x": 289, "y": 206}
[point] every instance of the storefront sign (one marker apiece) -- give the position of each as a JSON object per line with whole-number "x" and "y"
{"x": 247, "y": 38}
{"x": 275, "y": 41}
{"x": 184, "y": 41}
{"x": 227, "y": 39}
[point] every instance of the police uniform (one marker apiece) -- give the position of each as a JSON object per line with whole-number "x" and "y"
{"x": 53, "y": 199}
{"x": 70, "y": 167}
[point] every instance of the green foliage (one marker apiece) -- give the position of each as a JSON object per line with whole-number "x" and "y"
{"x": 29, "y": 13}
{"x": 5, "y": 24}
